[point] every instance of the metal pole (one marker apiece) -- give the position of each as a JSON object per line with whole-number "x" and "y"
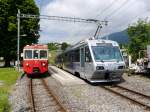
{"x": 139, "y": 54}
{"x": 96, "y": 33}
{"x": 18, "y": 41}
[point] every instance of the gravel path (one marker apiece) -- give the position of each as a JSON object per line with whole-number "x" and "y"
{"x": 19, "y": 97}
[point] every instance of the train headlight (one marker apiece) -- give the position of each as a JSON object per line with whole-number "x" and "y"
{"x": 121, "y": 67}
{"x": 99, "y": 68}
{"x": 27, "y": 64}
{"x": 43, "y": 64}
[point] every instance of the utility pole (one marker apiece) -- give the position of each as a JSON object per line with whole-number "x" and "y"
{"x": 18, "y": 41}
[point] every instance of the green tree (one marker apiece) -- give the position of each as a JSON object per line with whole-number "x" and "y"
{"x": 53, "y": 46}
{"x": 64, "y": 45}
{"x": 139, "y": 34}
{"x": 8, "y": 27}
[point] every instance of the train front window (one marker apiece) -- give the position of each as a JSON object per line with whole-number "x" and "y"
{"x": 35, "y": 54}
{"x": 106, "y": 53}
{"x": 87, "y": 55}
{"x": 43, "y": 54}
{"x": 28, "y": 54}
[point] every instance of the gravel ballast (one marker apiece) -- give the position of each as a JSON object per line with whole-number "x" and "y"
{"x": 83, "y": 97}
{"x": 137, "y": 83}
{"x": 19, "y": 97}
{"x": 87, "y": 98}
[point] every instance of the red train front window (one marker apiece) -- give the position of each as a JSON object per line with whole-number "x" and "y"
{"x": 36, "y": 54}
{"x": 28, "y": 54}
{"x": 43, "y": 54}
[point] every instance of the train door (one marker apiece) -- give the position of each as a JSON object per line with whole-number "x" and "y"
{"x": 82, "y": 62}
{"x": 88, "y": 63}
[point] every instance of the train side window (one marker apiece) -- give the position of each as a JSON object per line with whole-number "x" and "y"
{"x": 77, "y": 55}
{"x": 28, "y": 54}
{"x": 43, "y": 54}
{"x": 87, "y": 55}
{"x": 72, "y": 56}
{"x": 35, "y": 54}
{"x": 65, "y": 57}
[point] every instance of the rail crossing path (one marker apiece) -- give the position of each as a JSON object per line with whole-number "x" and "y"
{"x": 62, "y": 92}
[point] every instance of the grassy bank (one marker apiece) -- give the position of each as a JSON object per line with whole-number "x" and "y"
{"x": 52, "y": 57}
{"x": 8, "y": 77}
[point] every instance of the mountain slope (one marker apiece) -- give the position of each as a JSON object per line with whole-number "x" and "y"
{"x": 121, "y": 37}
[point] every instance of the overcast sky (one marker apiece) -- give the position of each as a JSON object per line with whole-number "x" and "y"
{"x": 119, "y": 13}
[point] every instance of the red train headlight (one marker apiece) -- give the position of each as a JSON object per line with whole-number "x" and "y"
{"x": 43, "y": 64}
{"x": 27, "y": 64}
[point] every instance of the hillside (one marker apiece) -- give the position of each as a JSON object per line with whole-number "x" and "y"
{"x": 120, "y": 37}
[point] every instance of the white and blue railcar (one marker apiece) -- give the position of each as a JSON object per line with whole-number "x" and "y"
{"x": 94, "y": 60}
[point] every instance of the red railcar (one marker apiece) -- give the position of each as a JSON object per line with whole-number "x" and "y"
{"x": 35, "y": 59}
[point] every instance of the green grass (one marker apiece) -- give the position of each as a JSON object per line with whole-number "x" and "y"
{"x": 8, "y": 76}
{"x": 52, "y": 58}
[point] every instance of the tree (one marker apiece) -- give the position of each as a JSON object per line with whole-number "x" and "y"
{"x": 139, "y": 34}
{"x": 64, "y": 45}
{"x": 53, "y": 46}
{"x": 8, "y": 27}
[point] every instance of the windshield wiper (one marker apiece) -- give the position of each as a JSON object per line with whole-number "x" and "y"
{"x": 113, "y": 60}
{"x": 102, "y": 61}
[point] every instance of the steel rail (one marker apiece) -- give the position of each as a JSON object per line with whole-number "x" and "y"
{"x": 31, "y": 95}
{"x": 52, "y": 70}
{"x": 62, "y": 108}
{"x": 147, "y": 107}
{"x": 135, "y": 92}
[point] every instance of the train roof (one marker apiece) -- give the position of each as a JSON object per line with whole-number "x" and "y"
{"x": 36, "y": 46}
{"x": 92, "y": 42}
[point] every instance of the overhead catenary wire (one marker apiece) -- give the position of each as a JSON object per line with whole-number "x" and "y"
{"x": 60, "y": 18}
{"x": 103, "y": 10}
{"x": 123, "y": 11}
{"x": 106, "y": 8}
{"x": 131, "y": 18}
{"x": 122, "y": 26}
{"x": 117, "y": 9}
{"x": 126, "y": 6}
{"x": 41, "y": 5}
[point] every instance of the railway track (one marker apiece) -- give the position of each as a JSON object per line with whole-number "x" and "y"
{"x": 42, "y": 99}
{"x": 133, "y": 96}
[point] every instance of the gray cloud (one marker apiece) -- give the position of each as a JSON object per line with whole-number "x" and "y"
{"x": 128, "y": 12}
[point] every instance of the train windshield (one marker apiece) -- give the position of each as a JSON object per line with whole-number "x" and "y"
{"x": 35, "y": 54}
{"x": 107, "y": 53}
{"x": 28, "y": 54}
{"x": 43, "y": 54}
